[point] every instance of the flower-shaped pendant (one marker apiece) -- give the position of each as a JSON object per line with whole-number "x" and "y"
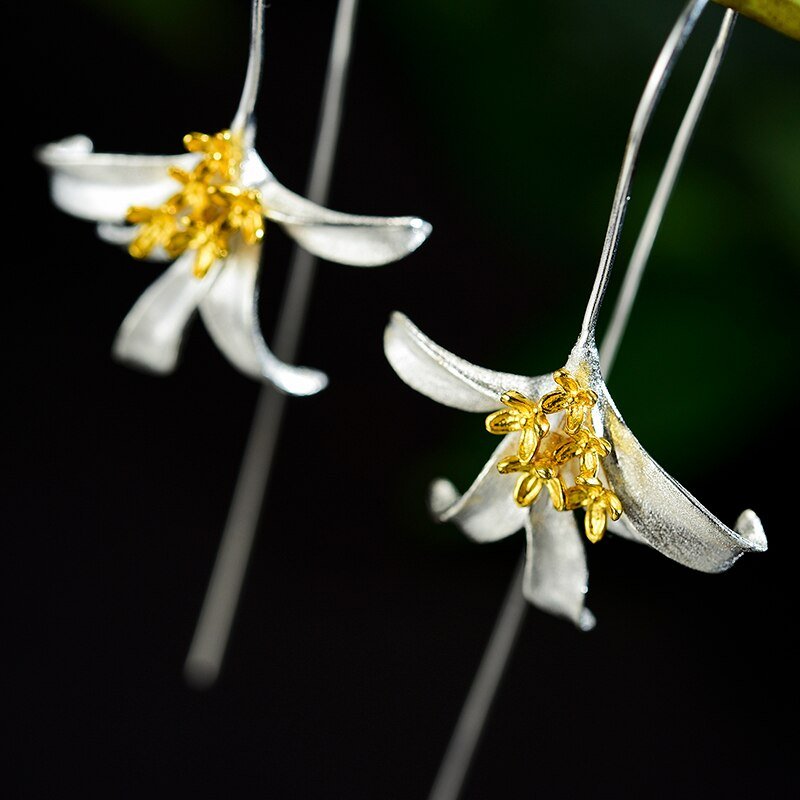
{"x": 565, "y": 446}
{"x": 207, "y": 210}
{"x": 599, "y": 467}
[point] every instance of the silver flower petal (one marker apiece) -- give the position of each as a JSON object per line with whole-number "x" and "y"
{"x": 486, "y": 512}
{"x": 360, "y": 241}
{"x": 151, "y": 334}
{"x": 657, "y": 508}
{"x": 230, "y": 313}
{"x": 664, "y": 514}
{"x": 556, "y": 575}
{"x": 446, "y": 378}
{"x": 103, "y": 186}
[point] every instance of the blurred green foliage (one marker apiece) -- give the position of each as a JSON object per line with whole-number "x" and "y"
{"x": 175, "y": 28}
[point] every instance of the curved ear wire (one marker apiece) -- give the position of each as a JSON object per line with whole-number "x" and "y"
{"x": 647, "y": 104}
{"x": 655, "y": 213}
{"x": 244, "y": 120}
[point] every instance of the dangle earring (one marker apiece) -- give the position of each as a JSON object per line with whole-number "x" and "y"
{"x": 565, "y": 446}
{"x": 207, "y": 210}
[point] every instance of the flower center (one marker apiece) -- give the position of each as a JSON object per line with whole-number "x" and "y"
{"x": 207, "y": 212}
{"x": 546, "y": 457}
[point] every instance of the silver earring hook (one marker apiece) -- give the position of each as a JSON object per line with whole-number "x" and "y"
{"x": 655, "y": 213}
{"x": 647, "y": 104}
{"x": 244, "y": 120}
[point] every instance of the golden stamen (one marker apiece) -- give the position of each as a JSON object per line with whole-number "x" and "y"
{"x": 207, "y": 212}
{"x": 544, "y": 456}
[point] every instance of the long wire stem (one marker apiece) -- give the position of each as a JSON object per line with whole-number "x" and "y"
{"x": 207, "y": 650}
{"x": 500, "y": 647}
{"x": 655, "y": 213}
{"x": 475, "y": 711}
{"x": 243, "y": 120}
{"x": 644, "y": 112}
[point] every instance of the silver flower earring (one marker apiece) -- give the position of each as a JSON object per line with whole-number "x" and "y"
{"x": 565, "y": 446}
{"x": 207, "y": 210}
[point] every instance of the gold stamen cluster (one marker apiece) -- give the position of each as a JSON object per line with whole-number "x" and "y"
{"x": 207, "y": 211}
{"x": 543, "y": 455}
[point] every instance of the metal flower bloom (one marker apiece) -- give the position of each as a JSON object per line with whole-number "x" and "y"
{"x": 566, "y": 446}
{"x": 658, "y": 511}
{"x": 207, "y": 209}
{"x": 207, "y": 212}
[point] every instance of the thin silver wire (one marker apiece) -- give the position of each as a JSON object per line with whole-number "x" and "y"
{"x": 243, "y": 121}
{"x": 475, "y": 711}
{"x": 207, "y": 650}
{"x": 497, "y": 654}
{"x": 644, "y": 244}
{"x": 647, "y": 104}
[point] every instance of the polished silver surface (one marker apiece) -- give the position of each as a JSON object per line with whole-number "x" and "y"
{"x": 486, "y": 512}
{"x": 102, "y": 187}
{"x": 556, "y": 576}
{"x": 446, "y": 378}
{"x": 660, "y": 511}
{"x": 351, "y": 239}
{"x": 664, "y": 514}
{"x": 230, "y": 313}
{"x": 151, "y": 335}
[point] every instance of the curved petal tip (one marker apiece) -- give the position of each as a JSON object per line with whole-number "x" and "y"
{"x": 49, "y": 154}
{"x": 156, "y": 362}
{"x": 556, "y": 576}
{"x": 354, "y": 239}
{"x": 298, "y": 381}
{"x": 421, "y": 231}
{"x": 444, "y": 377}
{"x": 103, "y": 186}
{"x": 486, "y": 512}
{"x": 664, "y": 514}
{"x": 749, "y": 527}
{"x": 151, "y": 334}
{"x": 586, "y": 621}
{"x": 442, "y": 496}
{"x": 230, "y": 313}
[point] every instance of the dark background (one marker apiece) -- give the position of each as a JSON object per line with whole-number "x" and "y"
{"x": 362, "y": 621}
